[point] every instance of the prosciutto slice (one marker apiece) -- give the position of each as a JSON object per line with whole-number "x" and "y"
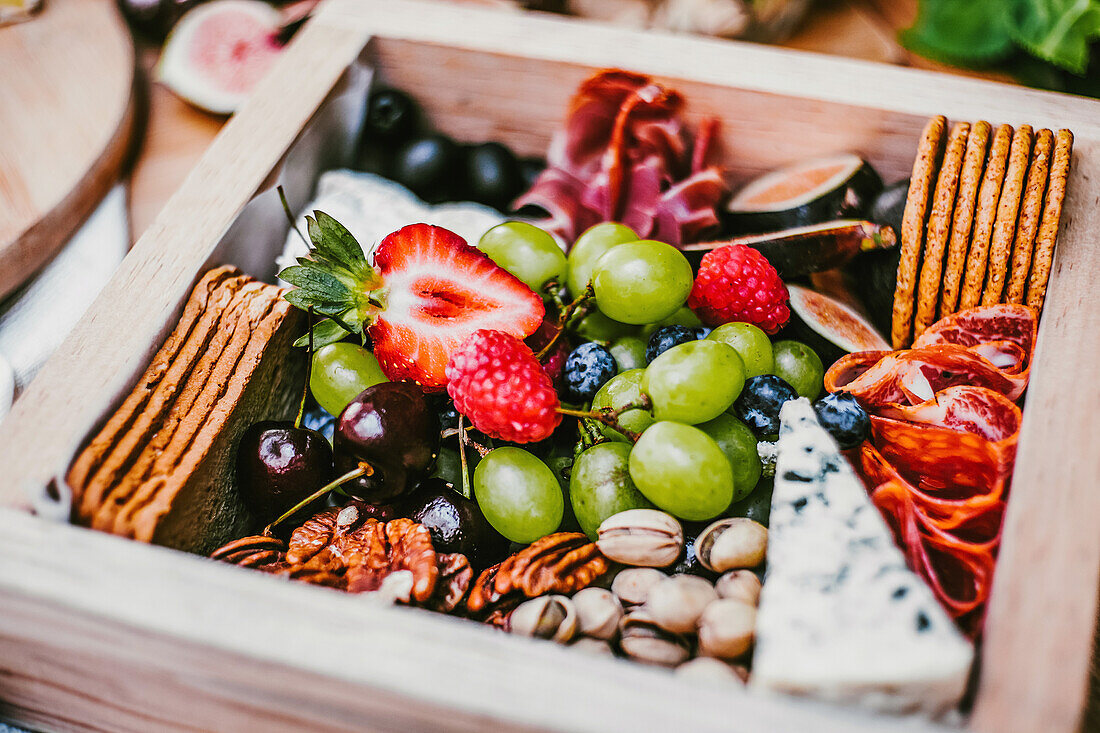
{"x": 944, "y": 428}
{"x": 625, "y": 155}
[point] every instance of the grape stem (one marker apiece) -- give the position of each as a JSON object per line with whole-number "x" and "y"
{"x": 610, "y": 416}
{"x": 565, "y": 312}
{"x": 467, "y": 491}
{"x": 364, "y": 469}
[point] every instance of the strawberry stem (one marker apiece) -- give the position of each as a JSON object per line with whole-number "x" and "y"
{"x": 565, "y": 312}
{"x": 364, "y": 469}
{"x": 309, "y": 370}
{"x": 290, "y": 216}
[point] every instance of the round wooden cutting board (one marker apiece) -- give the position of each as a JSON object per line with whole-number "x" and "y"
{"x": 67, "y": 117}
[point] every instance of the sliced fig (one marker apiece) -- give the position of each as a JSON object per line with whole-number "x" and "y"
{"x": 802, "y": 250}
{"x": 218, "y": 51}
{"x": 830, "y": 327}
{"x": 810, "y": 192}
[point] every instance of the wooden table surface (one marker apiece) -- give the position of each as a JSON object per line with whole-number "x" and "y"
{"x": 177, "y": 134}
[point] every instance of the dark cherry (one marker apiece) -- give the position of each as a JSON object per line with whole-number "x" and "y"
{"x": 391, "y": 427}
{"x": 279, "y": 465}
{"x": 456, "y": 523}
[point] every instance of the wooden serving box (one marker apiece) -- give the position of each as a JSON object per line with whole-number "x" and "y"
{"x": 100, "y": 633}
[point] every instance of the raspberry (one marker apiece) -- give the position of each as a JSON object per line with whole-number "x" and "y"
{"x": 496, "y": 381}
{"x": 737, "y": 283}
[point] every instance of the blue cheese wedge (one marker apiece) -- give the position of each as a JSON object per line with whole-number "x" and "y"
{"x": 841, "y": 617}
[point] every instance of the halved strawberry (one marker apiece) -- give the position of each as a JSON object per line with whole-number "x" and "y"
{"x": 437, "y": 290}
{"x": 427, "y": 292}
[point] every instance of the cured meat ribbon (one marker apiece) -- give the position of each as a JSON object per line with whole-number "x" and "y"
{"x": 624, "y": 155}
{"x": 944, "y": 427}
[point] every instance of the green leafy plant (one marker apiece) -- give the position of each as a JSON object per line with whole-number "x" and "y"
{"x": 991, "y": 32}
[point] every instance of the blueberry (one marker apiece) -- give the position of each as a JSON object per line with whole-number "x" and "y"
{"x": 665, "y": 337}
{"x": 317, "y": 418}
{"x": 844, "y": 418}
{"x": 587, "y": 368}
{"x": 759, "y": 402}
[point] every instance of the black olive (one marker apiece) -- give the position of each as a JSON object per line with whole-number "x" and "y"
{"x": 529, "y": 171}
{"x": 492, "y": 175}
{"x": 392, "y": 116}
{"x": 375, "y": 157}
{"x": 428, "y": 166}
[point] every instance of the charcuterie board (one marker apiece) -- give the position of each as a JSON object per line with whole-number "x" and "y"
{"x": 68, "y": 119}
{"x": 214, "y": 639}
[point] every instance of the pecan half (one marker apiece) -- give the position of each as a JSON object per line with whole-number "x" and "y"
{"x": 558, "y": 563}
{"x": 483, "y": 594}
{"x": 455, "y": 575}
{"x": 251, "y": 552}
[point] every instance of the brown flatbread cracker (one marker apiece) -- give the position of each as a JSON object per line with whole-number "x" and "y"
{"x": 1030, "y": 212}
{"x": 1052, "y": 214}
{"x": 965, "y": 200}
{"x": 939, "y": 228}
{"x": 204, "y": 392}
{"x": 100, "y": 482}
{"x": 1008, "y": 209}
{"x": 988, "y": 197}
{"x": 912, "y": 229}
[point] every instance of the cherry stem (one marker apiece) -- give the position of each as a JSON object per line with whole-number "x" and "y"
{"x": 309, "y": 370}
{"x": 364, "y": 469}
{"x": 610, "y": 416}
{"x": 564, "y": 313}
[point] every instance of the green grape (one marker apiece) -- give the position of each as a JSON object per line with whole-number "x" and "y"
{"x": 694, "y": 382}
{"x": 340, "y": 372}
{"x": 526, "y": 251}
{"x": 682, "y": 470}
{"x": 800, "y": 366}
{"x": 739, "y": 444}
{"x": 600, "y": 486}
{"x": 752, "y": 345}
{"x": 618, "y": 392}
{"x": 682, "y": 317}
{"x": 589, "y": 247}
{"x": 642, "y": 282}
{"x": 629, "y": 353}
{"x": 597, "y": 327}
{"x": 518, "y": 494}
{"x": 757, "y": 506}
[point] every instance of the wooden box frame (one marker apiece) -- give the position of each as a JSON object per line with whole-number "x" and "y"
{"x": 101, "y": 633}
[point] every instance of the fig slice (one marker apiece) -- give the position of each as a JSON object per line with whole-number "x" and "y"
{"x": 808, "y": 192}
{"x": 803, "y": 250}
{"x": 830, "y": 327}
{"x": 218, "y": 51}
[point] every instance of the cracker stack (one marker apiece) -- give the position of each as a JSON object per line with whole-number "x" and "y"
{"x": 980, "y": 221}
{"x": 161, "y": 468}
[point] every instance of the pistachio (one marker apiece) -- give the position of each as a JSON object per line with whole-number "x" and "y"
{"x": 726, "y": 629}
{"x": 677, "y": 602}
{"x": 642, "y": 639}
{"x": 545, "y": 617}
{"x": 641, "y": 537}
{"x": 598, "y": 612}
{"x": 709, "y": 669}
{"x": 742, "y": 585}
{"x": 588, "y": 645}
{"x": 732, "y": 543}
{"x": 631, "y": 586}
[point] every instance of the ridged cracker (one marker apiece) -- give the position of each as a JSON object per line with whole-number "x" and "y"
{"x": 1052, "y": 213}
{"x": 1008, "y": 209}
{"x": 912, "y": 229}
{"x": 1031, "y": 210}
{"x": 963, "y": 222}
{"x": 939, "y": 228}
{"x": 988, "y": 197}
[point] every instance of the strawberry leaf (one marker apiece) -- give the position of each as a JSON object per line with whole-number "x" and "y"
{"x": 324, "y": 333}
{"x": 333, "y": 242}
{"x": 321, "y": 285}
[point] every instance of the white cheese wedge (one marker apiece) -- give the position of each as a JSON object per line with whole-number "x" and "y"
{"x": 841, "y": 617}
